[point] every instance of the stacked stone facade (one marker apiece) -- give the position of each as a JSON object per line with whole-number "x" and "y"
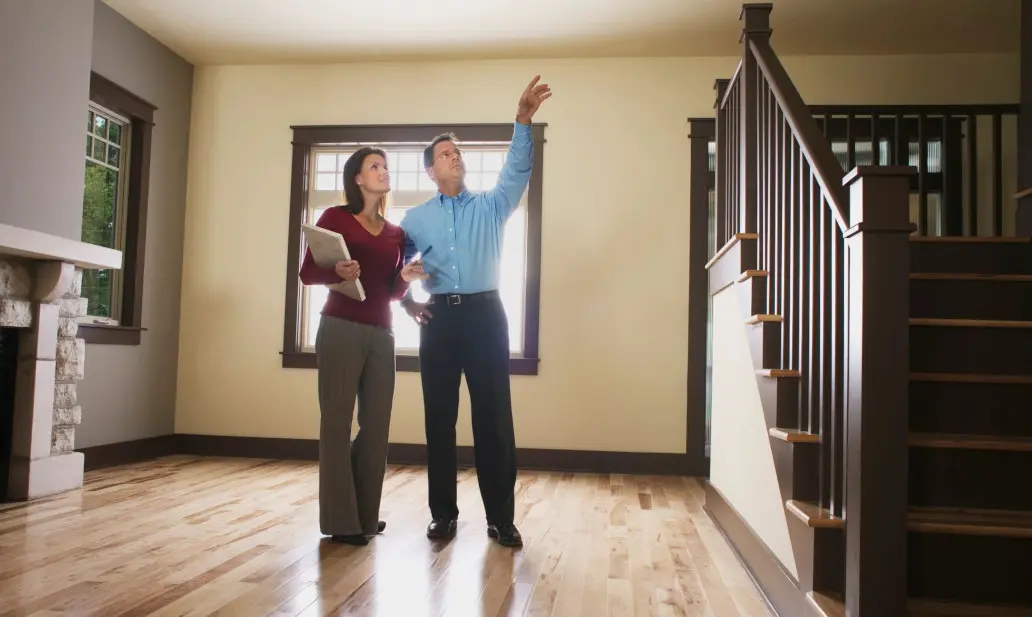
{"x": 51, "y": 360}
{"x": 71, "y": 358}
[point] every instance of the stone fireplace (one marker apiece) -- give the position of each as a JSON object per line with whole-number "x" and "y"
{"x": 40, "y": 288}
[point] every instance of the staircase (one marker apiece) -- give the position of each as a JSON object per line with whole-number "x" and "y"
{"x": 970, "y": 474}
{"x": 894, "y": 370}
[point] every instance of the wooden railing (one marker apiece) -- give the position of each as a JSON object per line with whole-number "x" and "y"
{"x": 965, "y": 172}
{"x": 836, "y": 256}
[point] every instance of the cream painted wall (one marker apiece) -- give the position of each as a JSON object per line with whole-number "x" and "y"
{"x": 613, "y": 311}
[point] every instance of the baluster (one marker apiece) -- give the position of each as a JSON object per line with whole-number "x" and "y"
{"x": 720, "y": 166}
{"x": 947, "y": 222}
{"x": 850, "y": 142}
{"x": 827, "y": 228}
{"x": 876, "y": 141}
{"x": 972, "y": 143}
{"x": 922, "y": 170}
{"x": 997, "y": 175}
{"x": 802, "y": 312}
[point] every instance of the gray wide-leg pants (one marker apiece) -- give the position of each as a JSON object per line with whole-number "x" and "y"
{"x": 355, "y": 361}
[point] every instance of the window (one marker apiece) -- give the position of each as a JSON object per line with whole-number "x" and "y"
{"x": 114, "y": 209}
{"x": 103, "y": 207}
{"x": 317, "y": 184}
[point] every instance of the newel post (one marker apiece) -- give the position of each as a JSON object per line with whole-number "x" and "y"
{"x": 877, "y": 381}
{"x": 755, "y": 20}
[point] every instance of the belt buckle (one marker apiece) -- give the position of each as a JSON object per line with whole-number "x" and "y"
{"x": 456, "y": 297}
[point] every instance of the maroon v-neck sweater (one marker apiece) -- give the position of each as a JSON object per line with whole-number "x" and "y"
{"x": 380, "y": 259}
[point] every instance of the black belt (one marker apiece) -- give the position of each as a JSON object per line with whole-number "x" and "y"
{"x": 453, "y": 299}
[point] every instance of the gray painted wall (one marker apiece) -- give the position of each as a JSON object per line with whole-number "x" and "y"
{"x": 129, "y": 392}
{"x": 46, "y": 85}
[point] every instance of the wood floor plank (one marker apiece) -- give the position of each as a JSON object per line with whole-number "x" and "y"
{"x": 192, "y": 536}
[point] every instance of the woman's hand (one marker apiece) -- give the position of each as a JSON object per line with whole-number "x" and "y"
{"x": 348, "y": 270}
{"x": 413, "y": 271}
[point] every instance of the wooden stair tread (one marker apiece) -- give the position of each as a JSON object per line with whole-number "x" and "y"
{"x": 971, "y": 442}
{"x": 813, "y": 515}
{"x": 948, "y": 276}
{"x": 777, "y": 372}
{"x": 728, "y": 245}
{"x": 758, "y": 319}
{"x": 919, "y": 607}
{"x": 792, "y": 435}
{"x": 972, "y": 239}
{"x": 971, "y": 522}
{"x": 972, "y": 378}
{"x": 968, "y": 323}
{"x": 827, "y": 605}
{"x": 1023, "y": 194}
{"x": 748, "y": 274}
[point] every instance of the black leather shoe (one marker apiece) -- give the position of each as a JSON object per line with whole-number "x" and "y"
{"x": 441, "y": 528}
{"x": 506, "y": 534}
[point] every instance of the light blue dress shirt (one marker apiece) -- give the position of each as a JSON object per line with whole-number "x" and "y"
{"x": 466, "y": 231}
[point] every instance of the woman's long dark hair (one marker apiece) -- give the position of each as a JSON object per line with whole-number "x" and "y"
{"x": 353, "y": 200}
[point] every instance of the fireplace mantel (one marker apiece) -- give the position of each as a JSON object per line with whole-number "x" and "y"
{"x": 36, "y": 245}
{"x": 40, "y": 294}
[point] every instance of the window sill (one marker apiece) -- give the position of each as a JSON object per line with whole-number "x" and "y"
{"x": 408, "y": 363}
{"x": 110, "y": 335}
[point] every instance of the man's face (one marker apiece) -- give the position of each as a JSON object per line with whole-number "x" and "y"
{"x": 448, "y": 164}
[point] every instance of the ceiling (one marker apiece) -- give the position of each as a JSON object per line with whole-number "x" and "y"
{"x": 292, "y": 31}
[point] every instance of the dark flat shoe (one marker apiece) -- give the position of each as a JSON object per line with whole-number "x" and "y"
{"x": 506, "y": 534}
{"x": 441, "y": 528}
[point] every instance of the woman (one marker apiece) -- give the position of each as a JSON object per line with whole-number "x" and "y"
{"x": 355, "y": 351}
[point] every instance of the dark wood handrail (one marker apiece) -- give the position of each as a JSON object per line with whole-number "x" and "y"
{"x": 734, "y": 78}
{"x": 812, "y": 144}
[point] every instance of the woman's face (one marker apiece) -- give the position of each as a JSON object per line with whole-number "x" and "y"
{"x": 374, "y": 176}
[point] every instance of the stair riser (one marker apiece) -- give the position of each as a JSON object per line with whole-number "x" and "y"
{"x": 829, "y": 558}
{"x": 765, "y": 343}
{"x": 780, "y": 399}
{"x": 999, "y": 351}
{"x": 795, "y": 464}
{"x": 971, "y": 408}
{"x": 953, "y": 299}
{"x": 969, "y": 478}
{"x": 963, "y": 258}
{"x": 978, "y": 569}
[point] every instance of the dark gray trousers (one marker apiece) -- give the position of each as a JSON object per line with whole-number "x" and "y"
{"x": 356, "y": 362}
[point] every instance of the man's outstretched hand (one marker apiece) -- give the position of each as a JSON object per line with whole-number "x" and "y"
{"x": 531, "y": 99}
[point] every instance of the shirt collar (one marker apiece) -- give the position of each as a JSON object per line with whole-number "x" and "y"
{"x": 461, "y": 198}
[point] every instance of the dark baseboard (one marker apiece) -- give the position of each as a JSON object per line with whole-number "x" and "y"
{"x": 779, "y": 589}
{"x": 646, "y": 463}
{"x": 107, "y": 455}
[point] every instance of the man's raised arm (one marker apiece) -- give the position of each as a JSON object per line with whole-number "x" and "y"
{"x": 515, "y": 174}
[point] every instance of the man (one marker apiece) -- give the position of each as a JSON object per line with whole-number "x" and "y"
{"x": 466, "y": 330}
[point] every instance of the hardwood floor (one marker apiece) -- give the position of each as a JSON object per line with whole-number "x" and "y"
{"x": 204, "y": 536}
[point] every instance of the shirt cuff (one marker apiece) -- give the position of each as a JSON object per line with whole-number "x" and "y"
{"x": 521, "y": 129}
